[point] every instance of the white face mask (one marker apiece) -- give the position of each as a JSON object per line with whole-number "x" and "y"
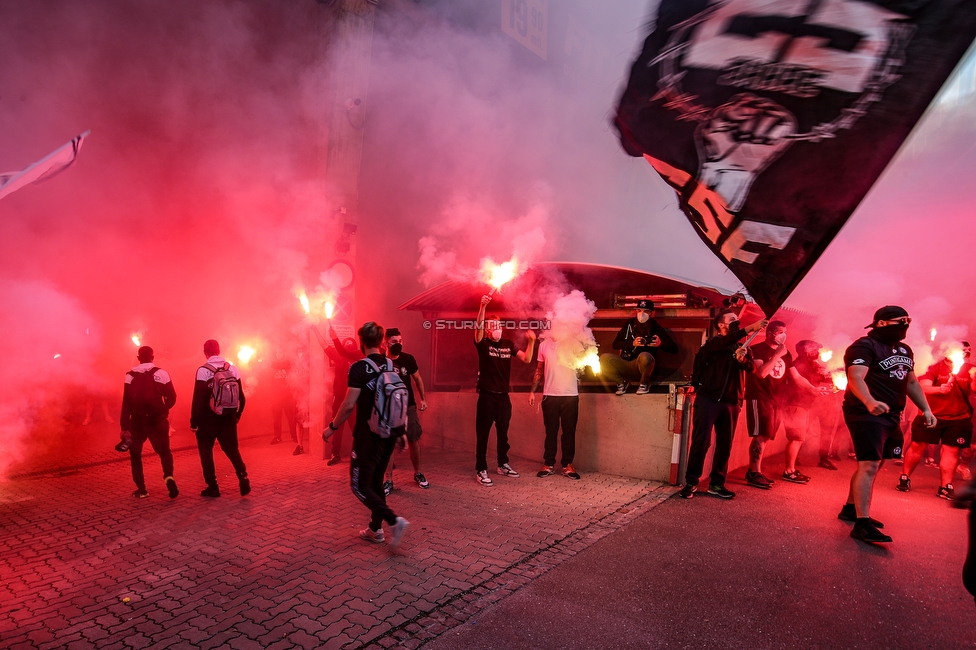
{"x": 643, "y": 317}
{"x": 780, "y": 338}
{"x": 496, "y": 335}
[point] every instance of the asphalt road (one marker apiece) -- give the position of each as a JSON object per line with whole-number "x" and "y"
{"x": 769, "y": 569}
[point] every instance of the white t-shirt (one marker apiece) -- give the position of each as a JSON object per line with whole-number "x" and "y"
{"x": 560, "y": 371}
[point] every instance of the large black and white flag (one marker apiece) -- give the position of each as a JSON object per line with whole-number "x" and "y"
{"x": 771, "y": 119}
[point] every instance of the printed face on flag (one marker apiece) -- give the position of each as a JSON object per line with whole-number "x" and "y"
{"x": 771, "y": 119}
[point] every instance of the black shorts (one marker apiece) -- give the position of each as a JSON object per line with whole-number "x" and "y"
{"x": 951, "y": 433}
{"x": 875, "y": 440}
{"x": 414, "y": 430}
{"x": 762, "y": 418}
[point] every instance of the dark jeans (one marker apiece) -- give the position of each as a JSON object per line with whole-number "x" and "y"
{"x": 284, "y": 405}
{"x": 157, "y": 433}
{"x": 222, "y": 429}
{"x": 616, "y": 370}
{"x": 493, "y": 408}
{"x": 709, "y": 414}
{"x": 556, "y": 409}
{"x": 370, "y": 455}
{"x": 338, "y": 435}
{"x": 969, "y": 568}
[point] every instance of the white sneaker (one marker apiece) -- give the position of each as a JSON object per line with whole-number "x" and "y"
{"x": 643, "y": 389}
{"x": 622, "y": 388}
{"x": 397, "y": 530}
{"x": 506, "y": 470}
{"x": 370, "y": 535}
{"x": 484, "y": 479}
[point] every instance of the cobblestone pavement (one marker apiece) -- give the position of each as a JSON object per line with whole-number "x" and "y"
{"x": 85, "y": 564}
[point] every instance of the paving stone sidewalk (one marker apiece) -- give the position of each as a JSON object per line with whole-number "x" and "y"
{"x": 84, "y": 564}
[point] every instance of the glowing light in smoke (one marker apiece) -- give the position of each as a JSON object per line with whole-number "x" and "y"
{"x": 329, "y": 308}
{"x": 57, "y": 356}
{"x": 302, "y": 298}
{"x": 136, "y": 340}
{"x": 957, "y": 359}
{"x": 840, "y": 379}
{"x": 498, "y": 274}
{"x": 591, "y": 361}
{"x": 826, "y": 355}
{"x": 245, "y": 353}
{"x": 932, "y": 334}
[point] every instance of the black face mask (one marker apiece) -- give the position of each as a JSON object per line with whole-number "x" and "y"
{"x": 396, "y": 349}
{"x": 891, "y": 334}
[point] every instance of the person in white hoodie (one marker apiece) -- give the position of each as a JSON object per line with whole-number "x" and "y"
{"x": 218, "y": 402}
{"x": 147, "y": 397}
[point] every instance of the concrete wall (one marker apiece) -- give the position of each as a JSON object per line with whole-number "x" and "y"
{"x": 624, "y": 436}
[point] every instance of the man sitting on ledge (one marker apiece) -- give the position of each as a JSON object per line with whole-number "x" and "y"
{"x": 638, "y": 341}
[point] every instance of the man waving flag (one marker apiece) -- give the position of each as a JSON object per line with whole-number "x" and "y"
{"x": 772, "y": 119}
{"x": 55, "y": 162}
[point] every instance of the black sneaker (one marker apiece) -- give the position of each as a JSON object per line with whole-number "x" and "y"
{"x": 212, "y": 491}
{"x": 275, "y": 441}
{"x": 421, "y": 480}
{"x": 171, "y": 486}
{"x": 870, "y": 534}
{"x": 245, "y": 486}
{"x": 756, "y": 479}
{"x": 688, "y": 491}
{"x": 387, "y": 488}
{"x": 140, "y": 494}
{"x": 826, "y": 464}
{"x": 946, "y": 492}
{"x": 570, "y": 472}
{"x": 547, "y": 470}
{"x": 299, "y": 450}
{"x": 335, "y": 460}
{"x": 904, "y": 483}
{"x": 795, "y": 477}
{"x": 721, "y": 492}
{"x": 848, "y": 513}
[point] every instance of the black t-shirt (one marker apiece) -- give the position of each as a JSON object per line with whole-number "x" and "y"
{"x": 406, "y": 365}
{"x": 771, "y": 388}
{"x": 815, "y": 372}
{"x": 363, "y": 377}
{"x": 495, "y": 365}
{"x": 887, "y": 379}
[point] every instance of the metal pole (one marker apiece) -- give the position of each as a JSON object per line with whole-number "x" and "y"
{"x": 684, "y": 441}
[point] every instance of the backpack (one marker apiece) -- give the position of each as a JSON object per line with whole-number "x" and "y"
{"x": 225, "y": 390}
{"x": 145, "y": 399}
{"x": 389, "y": 415}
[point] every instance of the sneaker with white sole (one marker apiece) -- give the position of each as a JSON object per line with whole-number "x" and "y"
{"x": 904, "y": 483}
{"x": 387, "y": 488}
{"x": 946, "y": 492}
{"x": 397, "y": 530}
{"x": 506, "y": 470}
{"x": 643, "y": 389}
{"x": 370, "y": 535}
{"x": 483, "y": 478}
{"x": 622, "y": 388}
{"x": 547, "y": 470}
{"x": 421, "y": 480}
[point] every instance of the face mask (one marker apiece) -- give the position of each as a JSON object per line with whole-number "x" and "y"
{"x": 891, "y": 334}
{"x": 396, "y": 349}
{"x": 780, "y": 338}
{"x": 496, "y": 335}
{"x": 643, "y": 317}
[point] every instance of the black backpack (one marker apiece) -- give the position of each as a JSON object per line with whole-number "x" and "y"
{"x": 145, "y": 399}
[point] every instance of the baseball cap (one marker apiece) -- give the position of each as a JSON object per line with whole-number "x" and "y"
{"x": 888, "y": 312}
{"x": 645, "y": 304}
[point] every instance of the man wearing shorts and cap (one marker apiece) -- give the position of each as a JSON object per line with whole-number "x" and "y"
{"x": 880, "y": 373}
{"x": 638, "y": 341}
